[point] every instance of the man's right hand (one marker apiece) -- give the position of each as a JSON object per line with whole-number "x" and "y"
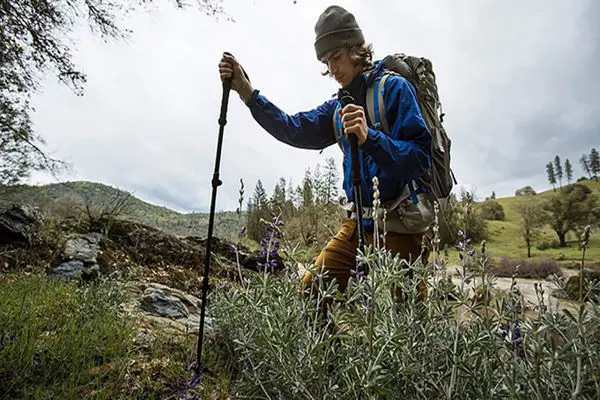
{"x": 229, "y": 67}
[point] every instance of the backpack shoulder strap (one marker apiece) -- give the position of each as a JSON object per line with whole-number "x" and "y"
{"x": 337, "y": 126}
{"x": 376, "y": 105}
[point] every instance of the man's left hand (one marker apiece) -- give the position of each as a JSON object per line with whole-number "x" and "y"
{"x": 354, "y": 121}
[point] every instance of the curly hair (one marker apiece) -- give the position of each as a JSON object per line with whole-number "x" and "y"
{"x": 361, "y": 55}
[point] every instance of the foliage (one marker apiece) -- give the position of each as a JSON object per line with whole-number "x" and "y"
{"x": 541, "y": 269}
{"x": 375, "y": 342}
{"x": 594, "y": 161}
{"x": 551, "y": 174}
{"x": 525, "y": 191}
{"x": 568, "y": 170}
{"x": 585, "y": 165}
{"x": 558, "y": 170}
{"x": 35, "y": 38}
{"x": 71, "y": 200}
{"x": 533, "y": 217}
{"x": 461, "y": 214}
{"x": 571, "y": 209}
{"x": 491, "y": 210}
{"x": 58, "y": 340}
{"x": 310, "y": 213}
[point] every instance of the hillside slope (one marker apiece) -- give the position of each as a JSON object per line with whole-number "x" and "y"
{"x": 505, "y": 237}
{"x": 62, "y": 199}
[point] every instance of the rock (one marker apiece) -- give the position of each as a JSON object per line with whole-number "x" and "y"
{"x": 165, "y": 308}
{"x": 18, "y": 223}
{"x": 79, "y": 257}
{"x": 76, "y": 269}
{"x": 157, "y": 302}
{"x": 83, "y": 247}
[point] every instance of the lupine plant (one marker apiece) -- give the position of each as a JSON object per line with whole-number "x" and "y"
{"x": 465, "y": 340}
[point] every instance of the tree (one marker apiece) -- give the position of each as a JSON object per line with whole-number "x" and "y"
{"x": 278, "y": 198}
{"x": 258, "y": 208}
{"x": 594, "y": 163}
{"x": 307, "y": 190}
{"x": 35, "y": 38}
{"x": 585, "y": 164}
{"x": 492, "y": 210}
{"x": 330, "y": 179}
{"x": 533, "y": 217}
{"x": 572, "y": 209}
{"x": 551, "y": 175}
{"x": 525, "y": 191}
{"x": 558, "y": 171}
{"x": 568, "y": 170}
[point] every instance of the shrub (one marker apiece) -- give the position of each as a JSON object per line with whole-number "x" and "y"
{"x": 591, "y": 286}
{"x": 370, "y": 344}
{"x": 548, "y": 244}
{"x": 525, "y": 191}
{"x": 492, "y": 210}
{"x": 541, "y": 269}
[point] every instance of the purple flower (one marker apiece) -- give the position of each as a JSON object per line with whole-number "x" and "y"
{"x": 472, "y": 253}
{"x": 279, "y": 223}
{"x": 194, "y": 381}
{"x": 460, "y": 246}
{"x": 243, "y": 230}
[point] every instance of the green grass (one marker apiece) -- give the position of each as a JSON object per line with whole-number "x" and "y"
{"x": 60, "y": 341}
{"x": 67, "y": 341}
{"x": 505, "y": 238}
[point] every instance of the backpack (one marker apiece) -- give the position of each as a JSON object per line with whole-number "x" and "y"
{"x": 439, "y": 179}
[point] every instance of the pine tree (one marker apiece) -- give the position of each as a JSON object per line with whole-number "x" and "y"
{"x": 585, "y": 164}
{"x": 594, "y": 161}
{"x": 330, "y": 179}
{"x": 318, "y": 186}
{"x": 307, "y": 190}
{"x": 558, "y": 171}
{"x": 551, "y": 175}
{"x": 568, "y": 170}
{"x": 258, "y": 208}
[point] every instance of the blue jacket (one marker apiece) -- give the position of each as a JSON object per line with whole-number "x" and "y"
{"x": 395, "y": 159}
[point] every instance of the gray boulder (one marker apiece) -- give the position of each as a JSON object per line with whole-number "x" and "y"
{"x": 159, "y": 303}
{"x": 19, "y": 223}
{"x": 76, "y": 269}
{"x": 79, "y": 257}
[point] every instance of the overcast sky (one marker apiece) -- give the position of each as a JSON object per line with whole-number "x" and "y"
{"x": 518, "y": 82}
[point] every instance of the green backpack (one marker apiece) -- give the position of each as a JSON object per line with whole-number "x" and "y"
{"x": 439, "y": 179}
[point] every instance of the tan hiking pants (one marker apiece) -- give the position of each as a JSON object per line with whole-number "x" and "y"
{"x": 340, "y": 253}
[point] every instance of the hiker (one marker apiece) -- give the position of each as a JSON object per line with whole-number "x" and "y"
{"x": 398, "y": 159}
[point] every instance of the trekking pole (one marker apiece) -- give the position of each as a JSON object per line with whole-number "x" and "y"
{"x": 356, "y": 178}
{"x": 216, "y": 182}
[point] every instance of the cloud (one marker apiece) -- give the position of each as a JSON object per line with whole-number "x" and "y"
{"x": 517, "y": 81}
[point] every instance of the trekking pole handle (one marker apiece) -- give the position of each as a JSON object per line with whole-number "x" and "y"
{"x": 353, "y": 139}
{"x": 227, "y": 81}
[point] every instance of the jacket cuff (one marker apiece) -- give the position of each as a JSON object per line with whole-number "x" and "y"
{"x": 370, "y": 144}
{"x": 254, "y": 99}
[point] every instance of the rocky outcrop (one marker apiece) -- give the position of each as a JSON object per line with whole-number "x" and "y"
{"x": 18, "y": 223}
{"x": 163, "y": 307}
{"x": 79, "y": 257}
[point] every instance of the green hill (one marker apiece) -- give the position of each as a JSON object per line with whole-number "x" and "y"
{"x": 64, "y": 199}
{"x": 505, "y": 238}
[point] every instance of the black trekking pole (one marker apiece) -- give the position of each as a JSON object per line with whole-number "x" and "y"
{"x": 356, "y": 180}
{"x": 216, "y": 182}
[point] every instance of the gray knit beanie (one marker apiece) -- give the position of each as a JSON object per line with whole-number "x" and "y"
{"x": 336, "y": 28}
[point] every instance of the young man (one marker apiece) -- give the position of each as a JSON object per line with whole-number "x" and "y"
{"x": 397, "y": 158}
